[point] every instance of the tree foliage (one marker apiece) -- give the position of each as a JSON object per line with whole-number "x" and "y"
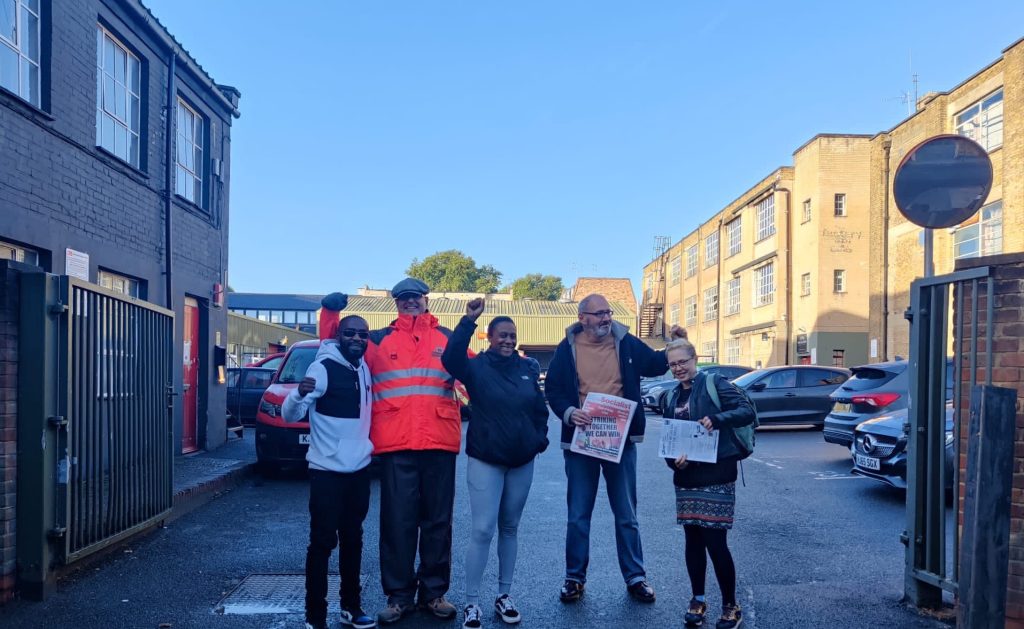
{"x": 537, "y": 286}
{"x": 454, "y": 271}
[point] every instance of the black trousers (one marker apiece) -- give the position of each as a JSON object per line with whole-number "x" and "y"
{"x": 417, "y": 495}
{"x": 701, "y": 542}
{"x": 337, "y": 507}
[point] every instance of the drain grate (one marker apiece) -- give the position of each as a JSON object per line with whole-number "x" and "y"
{"x": 276, "y": 594}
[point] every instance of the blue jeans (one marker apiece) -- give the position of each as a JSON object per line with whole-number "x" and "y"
{"x": 583, "y": 473}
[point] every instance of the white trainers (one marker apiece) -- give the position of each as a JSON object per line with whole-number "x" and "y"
{"x": 506, "y": 609}
{"x": 472, "y": 617}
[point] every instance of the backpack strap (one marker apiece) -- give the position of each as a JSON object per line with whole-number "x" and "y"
{"x": 709, "y": 384}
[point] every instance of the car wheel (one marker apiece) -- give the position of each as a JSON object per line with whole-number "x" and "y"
{"x": 267, "y": 469}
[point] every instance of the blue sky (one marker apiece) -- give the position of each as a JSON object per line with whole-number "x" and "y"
{"x": 555, "y": 137}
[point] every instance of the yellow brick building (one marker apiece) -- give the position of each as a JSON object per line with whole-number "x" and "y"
{"x": 780, "y": 274}
{"x": 988, "y": 107}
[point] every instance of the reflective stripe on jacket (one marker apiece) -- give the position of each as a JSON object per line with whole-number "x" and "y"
{"x": 414, "y": 405}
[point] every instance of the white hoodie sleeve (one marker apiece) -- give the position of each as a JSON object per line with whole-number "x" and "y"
{"x": 295, "y": 406}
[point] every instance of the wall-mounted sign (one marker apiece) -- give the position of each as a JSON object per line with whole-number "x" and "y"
{"x": 76, "y": 264}
{"x": 801, "y": 343}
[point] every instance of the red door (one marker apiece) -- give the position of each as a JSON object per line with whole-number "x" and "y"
{"x": 190, "y": 377}
{"x": 805, "y": 360}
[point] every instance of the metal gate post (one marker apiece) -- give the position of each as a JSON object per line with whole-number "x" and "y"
{"x": 39, "y": 423}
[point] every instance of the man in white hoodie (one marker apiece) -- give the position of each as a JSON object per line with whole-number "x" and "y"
{"x": 336, "y": 395}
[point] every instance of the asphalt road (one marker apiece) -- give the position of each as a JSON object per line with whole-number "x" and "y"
{"x": 813, "y": 547}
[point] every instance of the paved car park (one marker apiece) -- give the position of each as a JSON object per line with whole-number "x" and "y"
{"x": 814, "y": 546}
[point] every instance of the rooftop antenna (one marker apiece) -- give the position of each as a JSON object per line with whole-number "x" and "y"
{"x": 909, "y": 97}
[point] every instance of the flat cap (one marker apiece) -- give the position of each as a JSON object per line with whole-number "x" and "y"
{"x": 410, "y": 285}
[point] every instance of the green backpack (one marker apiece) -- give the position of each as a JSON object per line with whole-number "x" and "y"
{"x": 744, "y": 435}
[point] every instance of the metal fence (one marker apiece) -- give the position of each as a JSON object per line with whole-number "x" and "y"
{"x": 933, "y": 496}
{"x": 95, "y": 430}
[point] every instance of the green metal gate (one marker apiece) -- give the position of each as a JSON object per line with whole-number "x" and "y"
{"x": 102, "y": 467}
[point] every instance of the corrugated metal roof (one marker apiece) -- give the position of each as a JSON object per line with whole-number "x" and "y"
{"x": 495, "y": 307}
{"x": 250, "y": 332}
{"x": 274, "y": 301}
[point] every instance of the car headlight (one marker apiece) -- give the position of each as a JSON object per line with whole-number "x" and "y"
{"x": 949, "y": 437}
{"x": 274, "y": 410}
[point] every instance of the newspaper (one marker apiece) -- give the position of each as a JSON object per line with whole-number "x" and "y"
{"x": 682, "y": 436}
{"x": 606, "y": 437}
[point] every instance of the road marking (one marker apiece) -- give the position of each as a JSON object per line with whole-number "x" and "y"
{"x": 778, "y": 467}
{"x": 838, "y": 478}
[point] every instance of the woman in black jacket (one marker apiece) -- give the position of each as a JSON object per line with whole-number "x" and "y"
{"x": 507, "y": 429}
{"x": 706, "y": 492}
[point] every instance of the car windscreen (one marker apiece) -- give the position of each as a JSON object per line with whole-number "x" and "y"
{"x": 868, "y": 378}
{"x": 748, "y": 378}
{"x": 296, "y": 364}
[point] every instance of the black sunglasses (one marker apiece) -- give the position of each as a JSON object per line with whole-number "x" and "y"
{"x": 363, "y": 334}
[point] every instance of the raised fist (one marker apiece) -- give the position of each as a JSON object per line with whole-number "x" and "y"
{"x": 334, "y": 301}
{"x": 475, "y": 308}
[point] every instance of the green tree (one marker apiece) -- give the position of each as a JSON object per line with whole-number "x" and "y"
{"x": 537, "y": 286}
{"x": 454, "y": 271}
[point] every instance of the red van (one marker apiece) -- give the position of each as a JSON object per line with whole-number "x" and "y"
{"x": 280, "y": 443}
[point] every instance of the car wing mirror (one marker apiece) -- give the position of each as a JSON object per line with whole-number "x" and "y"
{"x": 758, "y": 386}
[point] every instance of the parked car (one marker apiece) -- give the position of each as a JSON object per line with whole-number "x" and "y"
{"x": 280, "y": 443}
{"x": 793, "y": 394}
{"x": 655, "y": 394}
{"x": 872, "y": 391}
{"x": 272, "y": 361}
{"x": 245, "y": 387}
{"x": 879, "y": 448}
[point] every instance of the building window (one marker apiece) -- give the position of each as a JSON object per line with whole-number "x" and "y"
{"x": 118, "y": 85}
{"x": 9, "y": 251}
{"x": 19, "y": 48}
{"x": 691, "y": 261}
{"x": 766, "y": 218}
{"x": 839, "y": 281}
{"x": 983, "y": 121}
{"x": 838, "y": 358}
{"x": 840, "y": 208}
{"x": 709, "y": 350}
{"x": 189, "y": 178}
{"x": 119, "y": 283}
{"x": 711, "y": 303}
{"x": 734, "y": 233}
{"x": 807, "y": 211}
{"x": 711, "y": 249}
{"x": 673, "y": 314}
{"x": 674, "y": 271}
{"x": 984, "y": 237}
{"x": 691, "y": 310}
{"x": 648, "y": 287}
{"x": 805, "y": 284}
{"x": 764, "y": 285}
{"x": 733, "y": 288}
{"x": 732, "y": 351}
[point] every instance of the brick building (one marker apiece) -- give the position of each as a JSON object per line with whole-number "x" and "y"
{"x": 988, "y": 107}
{"x": 115, "y": 169}
{"x": 779, "y": 275}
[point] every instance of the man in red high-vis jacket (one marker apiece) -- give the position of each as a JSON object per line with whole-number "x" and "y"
{"x": 415, "y": 430}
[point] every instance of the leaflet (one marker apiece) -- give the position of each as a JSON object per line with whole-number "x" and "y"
{"x": 606, "y": 437}
{"x": 679, "y": 436}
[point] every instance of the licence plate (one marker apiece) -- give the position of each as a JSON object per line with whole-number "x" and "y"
{"x": 303, "y": 439}
{"x": 842, "y": 407}
{"x": 867, "y": 462}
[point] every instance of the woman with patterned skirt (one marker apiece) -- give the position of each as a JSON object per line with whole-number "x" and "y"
{"x": 706, "y": 492}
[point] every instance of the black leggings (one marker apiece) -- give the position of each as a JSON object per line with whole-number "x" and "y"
{"x": 701, "y": 542}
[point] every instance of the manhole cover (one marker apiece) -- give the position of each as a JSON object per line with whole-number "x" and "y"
{"x": 276, "y": 594}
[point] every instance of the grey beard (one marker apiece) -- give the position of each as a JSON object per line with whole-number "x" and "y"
{"x": 601, "y": 331}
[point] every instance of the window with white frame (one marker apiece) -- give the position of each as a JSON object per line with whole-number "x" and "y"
{"x": 11, "y": 251}
{"x": 734, "y": 232}
{"x": 984, "y": 237}
{"x": 805, "y": 284}
{"x": 674, "y": 271}
{"x": 709, "y": 351}
{"x": 118, "y": 101}
{"x": 840, "y": 204}
{"x": 807, "y": 211}
{"x": 189, "y": 174}
{"x": 19, "y": 48}
{"x": 764, "y": 285}
{"x": 839, "y": 281}
{"x": 119, "y": 283}
{"x": 673, "y": 314}
{"x": 690, "y": 305}
{"x": 766, "y": 218}
{"x": 732, "y": 351}
{"x": 983, "y": 121}
{"x": 692, "y": 256}
{"x": 733, "y": 288}
{"x": 711, "y": 249}
{"x": 711, "y": 303}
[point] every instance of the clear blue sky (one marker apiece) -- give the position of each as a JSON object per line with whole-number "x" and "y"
{"x": 555, "y": 137}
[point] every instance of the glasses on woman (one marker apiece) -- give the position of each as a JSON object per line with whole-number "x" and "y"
{"x": 679, "y": 364}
